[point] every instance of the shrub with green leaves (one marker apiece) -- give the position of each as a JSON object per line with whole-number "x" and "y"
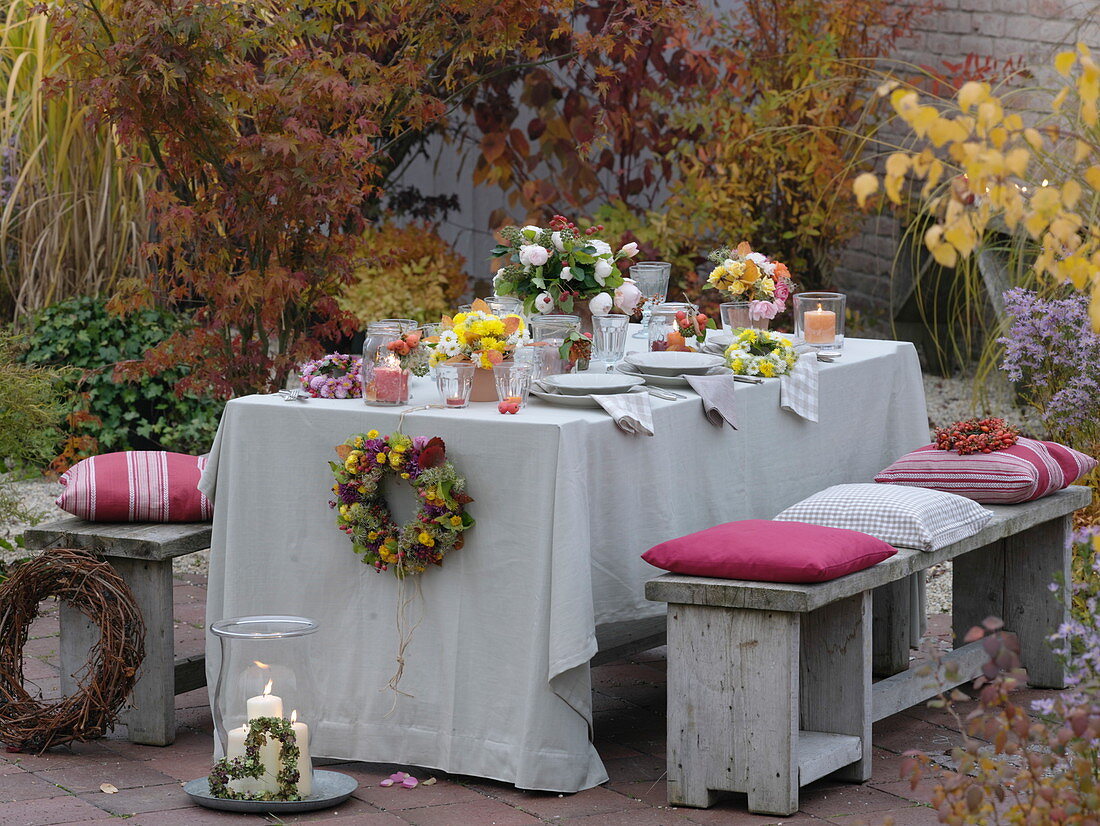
{"x": 145, "y": 413}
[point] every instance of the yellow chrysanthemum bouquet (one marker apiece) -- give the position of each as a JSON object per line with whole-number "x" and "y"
{"x": 478, "y": 336}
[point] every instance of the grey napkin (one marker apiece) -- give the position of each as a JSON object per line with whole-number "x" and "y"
{"x": 632, "y": 412}
{"x": 717, "y": 395}
{"x": 798, "y": 389}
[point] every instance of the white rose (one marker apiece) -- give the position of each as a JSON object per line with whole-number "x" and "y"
{"x": 537, "y": 256}
{"x": 629, "y": 250}
{"x": 544, "y": 303}
{"x": 627, "y": 296}
{"x": 729, "y": 262}
{"x": 600, "y": 304}
{"x": 498, "y": 278}
{"x": 603, "y": 269}
{"x": 532, "y": 232}
{"x": 556, "y": 238}
{"x": 566, "y": 274}
{"x": 602, "y": 247}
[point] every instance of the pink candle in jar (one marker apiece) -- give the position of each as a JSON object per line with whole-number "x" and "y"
{"x": 391, "y": 384}
{"x": 456, "y": 401}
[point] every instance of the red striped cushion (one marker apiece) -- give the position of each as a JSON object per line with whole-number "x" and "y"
{"x": 136, "y": 486}
{"x": 1028, "y": 470}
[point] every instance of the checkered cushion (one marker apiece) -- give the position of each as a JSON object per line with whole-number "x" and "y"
{"x": 900, "y": 516}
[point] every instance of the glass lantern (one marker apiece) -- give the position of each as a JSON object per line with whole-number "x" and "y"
{"x": 265, "y": 671}
{"x": 664, "y": 328}
{"x": 385, "y": 381}
{"x": 819, "y": 321}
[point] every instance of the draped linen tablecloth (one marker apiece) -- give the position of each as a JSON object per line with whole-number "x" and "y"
{"x": 565, "y": 504}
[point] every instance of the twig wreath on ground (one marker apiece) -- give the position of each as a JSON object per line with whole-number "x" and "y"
{"x": 362, "y": 512}
{"x": 92, "y": 587}
{"x": 260, "y": 730}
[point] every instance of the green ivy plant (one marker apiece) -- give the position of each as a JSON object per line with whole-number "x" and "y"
{"x": 144, "y": 413}
{"x": 259, "y": 730}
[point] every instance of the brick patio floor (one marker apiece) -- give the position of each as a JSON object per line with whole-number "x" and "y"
{"x": 63, "y": 786}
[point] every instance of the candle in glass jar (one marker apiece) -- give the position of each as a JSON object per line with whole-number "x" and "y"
{"x": 819, "y": 326}
{"x": 305, "y": 764}
{"x": 391, "y": 384}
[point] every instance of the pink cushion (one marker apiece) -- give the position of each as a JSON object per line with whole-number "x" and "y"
{"x": 760, "y": 550}
{"x": 1028, "y": 470}
{"x": 136, "y": 486}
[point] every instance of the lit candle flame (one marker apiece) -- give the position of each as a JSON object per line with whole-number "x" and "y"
{"x": 267, "y": 689}
{"x": 294, "y": 716}
{"x": 259, "y": 664}
{"x": 819, "y": 308}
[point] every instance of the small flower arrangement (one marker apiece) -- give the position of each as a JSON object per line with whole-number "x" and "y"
{"x": 335, "y": 376}
{"x": 478, "y": 336}
{"x": 687, "y": 327}
{"x": 977, "y": 436}
{"x": 408, "y": 352}
{"x": 750, "y": 276}
{"x": 761, "y": 353}
{"x": 553, "y": 267}
{"x": 362, "y": 513}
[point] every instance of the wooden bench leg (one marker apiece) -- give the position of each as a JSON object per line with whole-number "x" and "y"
{"x": 892, "y": 619}
{"x": 152, "y": 718}
{"x": 733, "y": 708}
{"x": 1034, "y": 559}
{"x": 836, "y": 675}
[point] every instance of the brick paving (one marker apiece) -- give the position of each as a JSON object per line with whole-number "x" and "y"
{"x": 63, "y": 785}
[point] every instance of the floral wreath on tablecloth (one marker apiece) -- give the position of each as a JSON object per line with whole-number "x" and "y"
{"x": 362, "y": 512}
{"x": 336, "y": 376}
{"x": 761, "y": 353}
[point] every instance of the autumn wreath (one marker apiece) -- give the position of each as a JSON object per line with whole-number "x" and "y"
{"x": 362, "y": 512}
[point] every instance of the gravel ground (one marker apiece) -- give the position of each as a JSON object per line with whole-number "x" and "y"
{"x": 949, "y": 399}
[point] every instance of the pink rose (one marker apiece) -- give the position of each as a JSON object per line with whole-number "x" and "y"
{"x": 782, "y": 290}
{"x": 763, "y": 309}
{"x": 627, "y": 296}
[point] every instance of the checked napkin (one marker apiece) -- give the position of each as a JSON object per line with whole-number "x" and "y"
{"x": 798, "y": 389}
{"x": 632, "y": 412}
{"x": 717, "y": 395}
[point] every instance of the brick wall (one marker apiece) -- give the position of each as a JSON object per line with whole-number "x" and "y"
{"x": 1032, "y": 29}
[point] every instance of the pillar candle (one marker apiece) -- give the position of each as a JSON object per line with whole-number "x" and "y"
{"x": 819, "y": 326}
{"x": 265, "y": 704}
{"x": 391, "y": 384}
{"x": 270, "y": 753}
{"x": 305, "y": 764}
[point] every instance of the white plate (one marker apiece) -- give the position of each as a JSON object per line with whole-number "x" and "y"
{"x": 581, "y": 384}
{"x": 668, "y": 381}
{"x": 564, "y": 400}
{"x": 673, "y": 363}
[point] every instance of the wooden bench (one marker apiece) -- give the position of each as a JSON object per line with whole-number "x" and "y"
{"x": 142, "y": 554}
{"x": 769, "y": 684}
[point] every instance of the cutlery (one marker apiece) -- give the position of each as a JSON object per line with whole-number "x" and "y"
{"x": 748, "y": 379}
{"x": 294, "y": 395}
{"x": 668, "y": 395}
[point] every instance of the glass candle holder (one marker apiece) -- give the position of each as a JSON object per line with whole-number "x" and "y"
{"x": 265, "y": 671}
{"x": 664, "y": 328}
{"x": 385, "y": 381}
{"x": 513, "y": 382}
{"x": 819, "y": 321}
{"x": 405, "y": 325}
{"x": 455, "y": 383}
{"x": 651, "y": 278}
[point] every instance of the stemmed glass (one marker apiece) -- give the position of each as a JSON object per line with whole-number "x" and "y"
{"x": 609, "y": 333}
{"x": 651, "y": 278}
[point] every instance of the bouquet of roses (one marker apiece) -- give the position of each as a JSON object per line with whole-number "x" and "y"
{"x": 552, "y": 268}
{"x": 750, "y": 276}
{"x": 477, "y": 336}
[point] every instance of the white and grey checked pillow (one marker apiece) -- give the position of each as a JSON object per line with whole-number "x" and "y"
{"x": 900, "y": 516}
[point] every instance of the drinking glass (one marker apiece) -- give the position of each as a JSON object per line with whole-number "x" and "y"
{"x": 651, "y": 278}
{"x": 502, "y": 305}
{"x": 609, "y": 333}
{"x": 513, "y": 382}
{"x": 455, "y": 382}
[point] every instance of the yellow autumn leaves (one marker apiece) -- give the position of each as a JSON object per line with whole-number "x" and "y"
{"x": 977, "y": 163}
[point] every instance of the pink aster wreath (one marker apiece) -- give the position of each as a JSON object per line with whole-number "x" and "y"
{"x": 336, "y": 376}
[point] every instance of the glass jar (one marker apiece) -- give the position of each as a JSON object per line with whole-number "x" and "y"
{"x": 664, "y": 328}
{"x": 551, "y": 331}
{"x": 385, "y": 380}
{"x": 265, "y": 670}
{"x": 819, "y": 321}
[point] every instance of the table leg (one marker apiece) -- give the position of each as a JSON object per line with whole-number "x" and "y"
{"x": 836, "y": 675}
{"x": 733, "y": 710}
{"x": 891, "y": 628}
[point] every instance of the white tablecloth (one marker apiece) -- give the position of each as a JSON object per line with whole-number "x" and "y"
{"x": 565, "y": 503}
